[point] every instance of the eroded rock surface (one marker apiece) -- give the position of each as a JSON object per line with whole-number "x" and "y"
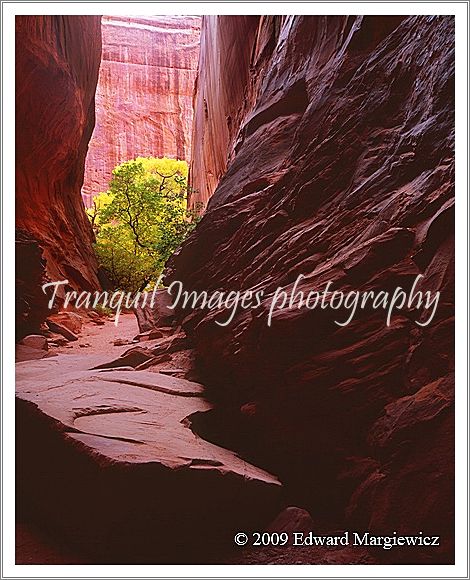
{"x": 340, "y": 168}
{"x": 222, "y": 80}
{"x": 110, "y": 459}
{"x": 57, "y": 62}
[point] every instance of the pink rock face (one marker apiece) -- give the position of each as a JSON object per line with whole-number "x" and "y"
{"x": 340, "y": 167}
{"x": 144, "y": 94}
{"x": 57, "y": 63}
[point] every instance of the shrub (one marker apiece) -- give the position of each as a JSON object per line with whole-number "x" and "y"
{"x": 141, "y": 220}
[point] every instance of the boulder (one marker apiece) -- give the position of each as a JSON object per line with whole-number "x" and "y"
{"x": 121, "y": 342}
{"x": 61, "y": 329}
{"x": 24, "y": 353}
{"x": 292, "y": 519}
{"x": 158, "y": 314}
{"x": 57, "y": 339}
{"x": 35, "y": 341}
{"x": 71, "y": 320}
{"x": 96, "y": 318}
{"x": 149, "y": 335}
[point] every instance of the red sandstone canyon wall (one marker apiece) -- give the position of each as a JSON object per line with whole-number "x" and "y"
{"x": 223, "y": 79}
{"x": 144, "y": 95}
{"x": 57, "y": 62}
{"x": 330, "y": 141}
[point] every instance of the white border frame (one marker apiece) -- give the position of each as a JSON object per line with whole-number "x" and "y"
{"x": 10, "y": 569}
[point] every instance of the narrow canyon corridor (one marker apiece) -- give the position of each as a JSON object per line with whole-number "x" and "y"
{"x": 256, "y": 156}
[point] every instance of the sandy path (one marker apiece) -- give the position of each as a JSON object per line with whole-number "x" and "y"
{"x": 95, "y": 339}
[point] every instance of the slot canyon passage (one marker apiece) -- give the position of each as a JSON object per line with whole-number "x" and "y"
{"x": 320, "y": 146}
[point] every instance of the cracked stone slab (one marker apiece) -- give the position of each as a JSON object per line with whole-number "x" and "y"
{"x": 82, "y": 432}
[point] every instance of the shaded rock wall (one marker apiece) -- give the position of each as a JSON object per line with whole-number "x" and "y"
{"x": 222, "y": 80}
{"x": 57, "y": 61}
{"x": 30, "y": 274}
{"x": 144, "y": 95}
{"x": 341, "y": 168}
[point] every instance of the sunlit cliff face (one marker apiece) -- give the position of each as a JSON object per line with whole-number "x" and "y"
{"x": 144, "y": 93}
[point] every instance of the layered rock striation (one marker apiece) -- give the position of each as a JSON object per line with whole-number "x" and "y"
{"x": 57, "y": 62}
{"x": 144, "y": 95}
{"x": 339, "y": 154}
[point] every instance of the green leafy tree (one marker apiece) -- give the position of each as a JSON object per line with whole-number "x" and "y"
{"x": 141, "y": 220}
